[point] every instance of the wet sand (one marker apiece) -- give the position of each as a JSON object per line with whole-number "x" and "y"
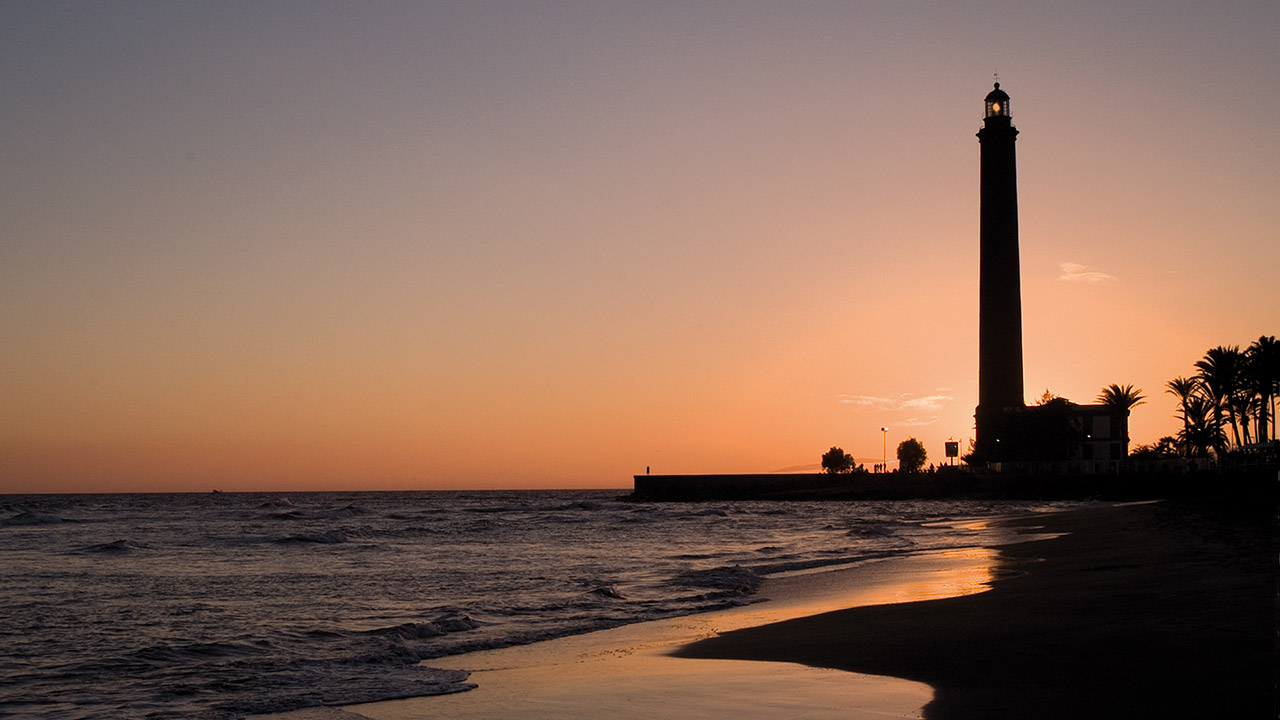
{"x": 1154, "y": 610}
{"x": 628, "y": 672}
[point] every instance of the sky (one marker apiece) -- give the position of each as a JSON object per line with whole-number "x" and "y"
{"x": 383, "y": 245}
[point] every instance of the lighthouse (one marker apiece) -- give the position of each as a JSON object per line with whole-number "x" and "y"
{"x": 1000, "y": 394}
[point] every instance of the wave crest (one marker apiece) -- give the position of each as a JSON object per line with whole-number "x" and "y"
{"x": 733, "y": 580}
{"x": 31, "y": 518}
{"x": 444, "y": 625}
{"x": 328, "y": 537}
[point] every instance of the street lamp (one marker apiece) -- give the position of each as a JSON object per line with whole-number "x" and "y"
{"x": 884, "y": 449}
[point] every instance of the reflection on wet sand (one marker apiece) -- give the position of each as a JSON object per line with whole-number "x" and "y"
{"x": 627, "y": 672}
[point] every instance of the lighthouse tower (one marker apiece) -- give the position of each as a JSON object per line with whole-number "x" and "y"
{"x": 1000, "y": 395}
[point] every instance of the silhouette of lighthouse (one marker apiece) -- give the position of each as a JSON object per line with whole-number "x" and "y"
{"x": 1000, "y": 396}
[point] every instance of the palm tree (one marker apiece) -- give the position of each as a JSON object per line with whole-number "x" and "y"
{"x": 1263, "y": 372}
{"x": 1242, "y": 404}
{"x": 1202, "y": 428}
{"x": 1184, "y": 389}
{"x": 1220, "y": 375}
{"x": 1121, "y": 397}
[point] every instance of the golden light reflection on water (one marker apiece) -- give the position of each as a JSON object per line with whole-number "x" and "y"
{"x": 927, "y": 576}
{"x": 948, "y": 573}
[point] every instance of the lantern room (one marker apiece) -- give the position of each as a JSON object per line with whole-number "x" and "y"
{"x": 997, "y": 103}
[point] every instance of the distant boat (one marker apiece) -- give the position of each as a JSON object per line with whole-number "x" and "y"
{"x": 217, "y": 491}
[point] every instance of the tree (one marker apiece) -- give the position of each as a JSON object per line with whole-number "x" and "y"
{"x": 1164, "y": 447}
{"x": 1202, "y": 428}
{"x": 1121, "y": 397}
{"x": 1221, "y": 372}
{"x": 1047, "y": 398}
{"x": 1262, "y": 370}
{"x": 1184, "y": 389}
{"x": 911, "y": 455}
{"x": 837, "y": 460}
{"x": 1230, "y": 388}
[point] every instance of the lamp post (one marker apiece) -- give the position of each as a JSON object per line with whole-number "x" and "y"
{"x": 884, "y": 449}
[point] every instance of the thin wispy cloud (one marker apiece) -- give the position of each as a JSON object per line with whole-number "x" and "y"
{"x": 922, "y": 408}
{"x": 1075, "y": 272}
{"x": 906, "y": 401}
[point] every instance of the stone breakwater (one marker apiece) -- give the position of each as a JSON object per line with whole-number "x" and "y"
{"x": 958, "y": 484}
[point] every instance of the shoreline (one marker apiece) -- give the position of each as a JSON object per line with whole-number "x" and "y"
{"x": 630, "y": 671}
{"x": 1148, "y": 610}
{"x": 1153, "y": 610}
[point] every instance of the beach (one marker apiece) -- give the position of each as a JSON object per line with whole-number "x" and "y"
{"x": 1150, "y": 610}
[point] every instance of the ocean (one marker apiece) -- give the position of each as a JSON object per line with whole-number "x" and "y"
{"x": 213, "y": 606}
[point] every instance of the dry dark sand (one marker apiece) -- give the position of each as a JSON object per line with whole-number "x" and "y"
{"x": 1140, "y": 611}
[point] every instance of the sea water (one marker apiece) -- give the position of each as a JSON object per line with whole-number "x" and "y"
{"x": 218, "y": 605}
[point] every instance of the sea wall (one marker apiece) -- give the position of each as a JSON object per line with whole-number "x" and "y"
{"x": 957, "y": 484}
{"x": 797, "y": 486}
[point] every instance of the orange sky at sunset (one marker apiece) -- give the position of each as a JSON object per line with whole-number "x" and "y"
{"x": 292, "y": 246}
